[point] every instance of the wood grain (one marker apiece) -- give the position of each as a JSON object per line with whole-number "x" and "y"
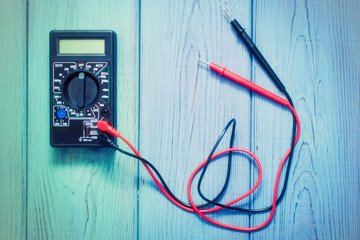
{"x": 81, "y": 193}
{"x": 13, "y": 120}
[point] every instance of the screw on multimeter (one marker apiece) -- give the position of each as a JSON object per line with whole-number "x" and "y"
{"x": 61, "y": 113}
{"x": 104, "y": 112}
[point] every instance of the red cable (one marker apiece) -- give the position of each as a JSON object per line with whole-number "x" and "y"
{"x": 104, "y": 126}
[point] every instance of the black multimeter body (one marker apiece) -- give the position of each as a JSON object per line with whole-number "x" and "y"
{"x": 82, "y": 86}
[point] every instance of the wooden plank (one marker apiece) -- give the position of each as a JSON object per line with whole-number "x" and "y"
{"x": 314, "y": 48}
{"x": 272, "y": 124}
{"x": 13, "y": 120}
{"x": 81, "y": 193}
{"x": 183, "y": 109}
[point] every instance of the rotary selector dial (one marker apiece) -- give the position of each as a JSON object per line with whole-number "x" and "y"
{"x": 81, "y": 90}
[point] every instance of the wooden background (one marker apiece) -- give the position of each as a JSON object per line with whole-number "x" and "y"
{"x": 173, "y": 109}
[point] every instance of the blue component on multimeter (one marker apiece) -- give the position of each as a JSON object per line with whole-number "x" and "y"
{"x": 61, "y": 113}
{"x": 82, "y": 86}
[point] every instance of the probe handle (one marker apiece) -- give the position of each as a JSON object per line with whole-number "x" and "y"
{"x": 253, "y": 49}
{"x": 246, "y": 83}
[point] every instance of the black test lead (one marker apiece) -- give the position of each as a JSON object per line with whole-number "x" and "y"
{"x": 253, "y": 49}
{"x": 104, "y": 126}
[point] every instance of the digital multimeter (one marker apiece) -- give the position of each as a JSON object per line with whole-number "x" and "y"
{"x": 82, "y": 86}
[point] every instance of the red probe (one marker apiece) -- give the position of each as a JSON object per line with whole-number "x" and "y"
{"x": 105, "y": 127}
{"x": 222, "y": 71}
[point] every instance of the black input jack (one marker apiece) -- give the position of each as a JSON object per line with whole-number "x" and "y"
{"x": 104, "y": 112}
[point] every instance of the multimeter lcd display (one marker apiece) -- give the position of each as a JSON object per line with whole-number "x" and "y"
{"x": 82, "y": 86}
{"x": 81, "y": 46}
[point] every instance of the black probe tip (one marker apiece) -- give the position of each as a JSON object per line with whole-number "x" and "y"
{"x": 227, "y": 14}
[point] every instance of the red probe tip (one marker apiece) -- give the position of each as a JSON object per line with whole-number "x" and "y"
{"x": 199, "y": 59}
{"x": 103, "y": 126}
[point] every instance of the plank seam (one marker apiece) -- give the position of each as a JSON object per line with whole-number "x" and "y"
{"x": 26, "y": 119}
{"x": 138, "y": 128}
{"x": 252, "y": 105}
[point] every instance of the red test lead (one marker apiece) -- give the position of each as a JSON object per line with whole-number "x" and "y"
{"x": 222, "y": 71}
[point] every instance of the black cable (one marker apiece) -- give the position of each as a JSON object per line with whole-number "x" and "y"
{"x": 105, "y": 138}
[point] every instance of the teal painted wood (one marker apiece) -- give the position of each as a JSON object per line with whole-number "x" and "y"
{"x": 13, "y": 120}
{"x": 81, "y": 193}
{"x": 314, "y": 47}
{"x": 183, "y": 109}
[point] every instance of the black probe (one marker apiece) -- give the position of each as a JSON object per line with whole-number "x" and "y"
{"x": 253, "y": 49}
